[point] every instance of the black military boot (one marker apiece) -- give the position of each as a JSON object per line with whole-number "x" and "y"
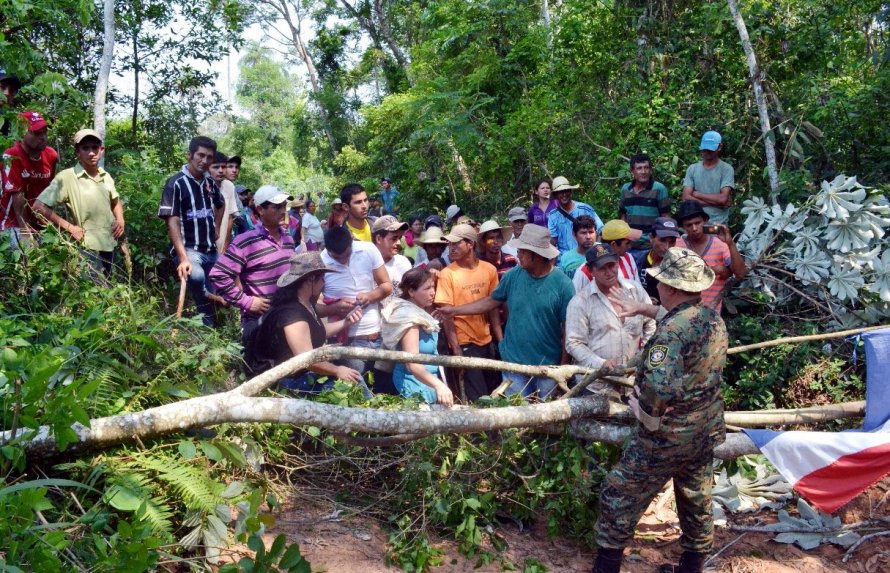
{"x": 690, "y": 562}
{"x": 608, "y": 560}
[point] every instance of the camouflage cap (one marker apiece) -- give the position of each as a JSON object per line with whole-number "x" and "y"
{"x": 301, "y": 266}
{"x": 683, "y": 269}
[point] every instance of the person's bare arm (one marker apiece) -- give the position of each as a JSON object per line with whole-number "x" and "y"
{"x": 299, "y": 340}
{"x": 481, "y": 306}
{"x": 687, "y": 194}
{"x": 118, "y": 228}
{"x": 737, "y": 262}
{"x": 218, "y": 214}
{"x": 63, "y": 224}
{"x": 723, "y": 199}
{"x": 383, "y": 290}
{"x": 411, "y": 343}
{"x": 451, "y": 336}
{"x": 334, "y": 328}
{"x": 20, "y": 208}
{"x": 185, "y": 266}
{"x": 497, "y": 329}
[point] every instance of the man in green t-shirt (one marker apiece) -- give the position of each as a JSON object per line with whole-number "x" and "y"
{"x": 96, "y": 214}
{"x": 711, "y": 181}
{"x": 537, "y": 295}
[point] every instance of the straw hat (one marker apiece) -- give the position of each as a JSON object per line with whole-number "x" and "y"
{"x": 491, "y": 225}
{"x": 560, "y": 183}
{"x": 432, "y": 236}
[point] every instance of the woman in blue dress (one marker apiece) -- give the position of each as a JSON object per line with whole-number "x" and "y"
{"x": 408, "y": 326}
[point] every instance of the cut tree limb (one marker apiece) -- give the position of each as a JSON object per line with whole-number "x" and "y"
{"x": 241, "y": 405}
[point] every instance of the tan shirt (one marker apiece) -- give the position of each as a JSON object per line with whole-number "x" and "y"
{"x": 594, "y": 333}
{"x": 88, "y": 200}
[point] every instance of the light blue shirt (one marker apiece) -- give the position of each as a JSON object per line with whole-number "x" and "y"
{"x": 560, "y": 226}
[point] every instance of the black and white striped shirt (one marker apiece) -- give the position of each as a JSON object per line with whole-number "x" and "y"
{"x": 193, "y": 201}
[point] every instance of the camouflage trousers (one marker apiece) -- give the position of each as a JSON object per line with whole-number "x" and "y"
{"x": 645, "y": 466}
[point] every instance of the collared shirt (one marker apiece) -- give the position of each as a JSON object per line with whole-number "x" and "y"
{"x": 258, "y": 261}
{"x": 640, "y": 209}
{"x": 594, "y": 333}
{"x": 22, "y": 175}
{"x": 193, "y": 201}
{"x": 351, "y": 279}
{"x": 389, "y": 199}
{"x": 560, "y": 226}
{"x": 363, "y": 234}
{"x": 537, "y": 216}
{"x": 89, "y": 201}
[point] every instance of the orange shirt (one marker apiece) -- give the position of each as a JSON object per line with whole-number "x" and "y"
{"x": 458, "y": 285}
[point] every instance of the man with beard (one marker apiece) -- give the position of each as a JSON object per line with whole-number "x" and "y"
{"x": 355, "y": 198}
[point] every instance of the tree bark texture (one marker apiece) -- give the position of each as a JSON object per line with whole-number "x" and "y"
{"x": 241, "y": 406}
{"x": 756, "y": 81}
{"x": 100, "y": 94}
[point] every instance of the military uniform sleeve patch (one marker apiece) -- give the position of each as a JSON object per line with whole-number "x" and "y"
{"x": 657, "y": 355}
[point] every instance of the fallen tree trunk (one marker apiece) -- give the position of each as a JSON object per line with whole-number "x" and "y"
{"x": 241, "y": 405}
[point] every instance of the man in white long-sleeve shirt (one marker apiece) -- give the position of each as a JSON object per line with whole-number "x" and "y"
{"x": 595, "y": 335}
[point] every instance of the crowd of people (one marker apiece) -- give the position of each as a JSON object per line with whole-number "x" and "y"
{"x": 556, "y": 285}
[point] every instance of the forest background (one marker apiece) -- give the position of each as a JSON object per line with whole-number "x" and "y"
{"x": 456, "y": 101}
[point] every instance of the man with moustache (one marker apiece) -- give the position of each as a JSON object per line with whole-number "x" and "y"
{"x": 191, "y": 205}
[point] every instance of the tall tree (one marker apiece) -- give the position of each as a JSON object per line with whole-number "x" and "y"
{"x": 105, "y": 68}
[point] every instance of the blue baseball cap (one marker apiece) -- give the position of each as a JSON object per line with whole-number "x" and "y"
{"x": 710, "y": 141}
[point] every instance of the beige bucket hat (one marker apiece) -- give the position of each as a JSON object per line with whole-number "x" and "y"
{"x": 302, "y": 265}
{"x": 536, "y": 239}
{"x": 683, "y": 269}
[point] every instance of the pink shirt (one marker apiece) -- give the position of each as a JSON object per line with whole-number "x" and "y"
{"x": 716, "y": 254}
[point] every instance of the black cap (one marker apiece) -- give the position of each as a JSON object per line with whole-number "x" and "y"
{"x": 433, "y": 220}
{"x": 600, "y": 254}
{"x": 235, "y": 159}
{"x": 689, "y": 209}
{"x": 665, "y": 227}
{"x": 13, "y": 79}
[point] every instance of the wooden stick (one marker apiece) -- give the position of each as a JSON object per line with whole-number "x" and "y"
{"x": 807, "y": 338}
{"x": 181, "y": 304}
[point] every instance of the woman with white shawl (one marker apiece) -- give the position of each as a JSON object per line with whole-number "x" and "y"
{"x": 409, "y": 327}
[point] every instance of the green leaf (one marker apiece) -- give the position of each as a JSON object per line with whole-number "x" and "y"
{"x": 187, "y": 449}
{"x": 234, "y": 489}
{"x": 211, "y": 451}
{"x": 50, "y": 482}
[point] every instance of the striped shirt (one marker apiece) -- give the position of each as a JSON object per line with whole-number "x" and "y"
{"x": 715, "y": 254}
{"x": 641, "y": 208}
{"x": 256, "y": 261}
{"x": 193, "y": 202}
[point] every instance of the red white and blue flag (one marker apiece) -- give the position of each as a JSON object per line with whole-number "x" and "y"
{"x": 831, "y": 468}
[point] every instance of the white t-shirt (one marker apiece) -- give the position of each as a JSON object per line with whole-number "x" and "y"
{"x": 314, "y": 232}
{"x": 231, "y": 208}
{"x": 350, "y": 280}
{"x": 395, "y": 268}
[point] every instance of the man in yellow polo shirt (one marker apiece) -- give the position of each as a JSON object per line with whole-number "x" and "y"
{"x": 96, "y": 215}
{"x": 355, "y": 198}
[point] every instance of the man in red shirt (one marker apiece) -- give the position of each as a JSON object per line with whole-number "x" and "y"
{"x": 28, "y": 168}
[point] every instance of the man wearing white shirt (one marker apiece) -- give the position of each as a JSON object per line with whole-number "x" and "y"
{"x": 595, "y": 335}
{"x": 386, "y": 233}
{"x": 360, "y": 280}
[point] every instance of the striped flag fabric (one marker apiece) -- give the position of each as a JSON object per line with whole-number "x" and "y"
{"x": 831, "y": 468}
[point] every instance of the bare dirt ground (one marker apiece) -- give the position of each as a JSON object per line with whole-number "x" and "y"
{"x": 335, "y": 543}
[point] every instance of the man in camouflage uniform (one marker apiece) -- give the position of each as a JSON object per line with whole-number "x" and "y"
{"x": 679, "y": 409}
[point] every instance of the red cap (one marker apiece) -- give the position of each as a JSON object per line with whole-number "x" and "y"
{"x": 35, "y": 120}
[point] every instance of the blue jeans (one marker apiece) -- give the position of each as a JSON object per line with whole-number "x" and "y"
{"x": 528, "y": 385}
{"x": 307, "y": 384}
{"x": 199, "y": 282}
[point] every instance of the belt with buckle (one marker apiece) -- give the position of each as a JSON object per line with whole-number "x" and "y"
{"x": 371, "y": 337}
